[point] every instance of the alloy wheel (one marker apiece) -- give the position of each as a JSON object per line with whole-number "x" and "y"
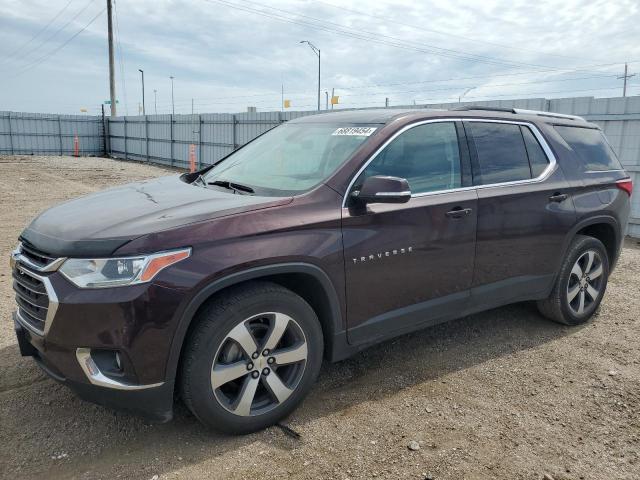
{"x": 585, "y": 282}
{"x": 259, "y": 364}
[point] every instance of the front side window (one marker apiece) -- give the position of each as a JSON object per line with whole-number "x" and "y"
{"x": 500, "y": 150}
{"x": 291, "y": 158}
{"x": 427, "y": 156}
{"x": 591, "y": 148}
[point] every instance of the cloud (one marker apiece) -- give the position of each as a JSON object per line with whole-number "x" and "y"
{"x": 228, "y": 58}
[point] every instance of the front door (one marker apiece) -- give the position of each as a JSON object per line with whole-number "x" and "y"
{"x": 410, "y": 265}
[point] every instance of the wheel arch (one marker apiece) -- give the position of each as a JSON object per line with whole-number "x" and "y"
{"x": 307, "y": 280}
{"x": 603, "y": 227}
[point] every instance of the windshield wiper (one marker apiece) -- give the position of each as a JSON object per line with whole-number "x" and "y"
{"x": 201, "y": 179}
{"x": 232, "y": 186}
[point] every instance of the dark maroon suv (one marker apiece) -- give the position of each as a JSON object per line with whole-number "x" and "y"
{"x": 229, "y": 286}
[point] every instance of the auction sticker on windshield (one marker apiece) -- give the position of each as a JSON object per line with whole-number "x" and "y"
{"x": 355, "y": 131}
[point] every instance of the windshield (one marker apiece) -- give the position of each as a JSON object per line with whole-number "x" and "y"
{"x": 290, "y": 159}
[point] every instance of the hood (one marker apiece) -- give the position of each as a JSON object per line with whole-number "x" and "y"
{"x": 99, "y": 223}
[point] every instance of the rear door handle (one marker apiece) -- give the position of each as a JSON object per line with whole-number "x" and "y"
{"x": 458, "y": 212}
{"x": 558, "y": 197}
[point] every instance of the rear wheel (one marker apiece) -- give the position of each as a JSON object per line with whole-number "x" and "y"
{"x": 252, "y": 358}
{"x": 580, "y": 284}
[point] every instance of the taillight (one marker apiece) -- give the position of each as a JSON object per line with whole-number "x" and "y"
{"x": 626, "y": 185}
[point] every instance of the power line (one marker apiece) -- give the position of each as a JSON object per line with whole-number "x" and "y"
{"x": 42, "y": 30}
{"x": 294, "y": 95}
{"x": 416, "y": 27}
{"x": 453, "y": 51}
{"x": 372, "y": 37}
{"x": 45, "y": 57}
{"x": 537, "y": 93}
{"x": 529, "y": 72}
{"x": 480, "y": 86}
{"x": 46, "y": 41}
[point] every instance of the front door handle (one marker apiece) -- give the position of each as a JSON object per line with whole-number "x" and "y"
{"x": 558, "y": 197}
{"x": 458, "y": 212}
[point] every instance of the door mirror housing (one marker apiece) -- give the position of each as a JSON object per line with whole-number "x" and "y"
{"x": 383, "y": 189}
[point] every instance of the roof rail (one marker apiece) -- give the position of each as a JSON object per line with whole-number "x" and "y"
{"x": 548, "y": 114}
{"x": 482, "y": 107}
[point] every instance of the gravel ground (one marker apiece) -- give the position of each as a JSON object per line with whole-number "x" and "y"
{"x": 502, "y": 395}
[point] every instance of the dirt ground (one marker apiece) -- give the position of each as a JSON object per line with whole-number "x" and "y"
{"x": 500, "y": 395}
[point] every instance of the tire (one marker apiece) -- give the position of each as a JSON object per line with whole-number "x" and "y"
{"x": 229, "y": 388}
{"x": 580, "y": 284}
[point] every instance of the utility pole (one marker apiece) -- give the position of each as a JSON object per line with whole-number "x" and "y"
{"x": 333, "y": 94}
{"x": 326, "y": 103}
{"x": 155, "y": 101}
{"x": 143, "y": 109}
{"x": 112, "y": 75}
{"x": 625, "y": 77}
{"x": 316, "y": 50}
{"x": 173, "y": 105}
{"x": 386, "y": 102}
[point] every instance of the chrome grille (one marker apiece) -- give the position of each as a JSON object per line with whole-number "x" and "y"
{"x": 31, "y": 297}
{"x": 35, "y": 256}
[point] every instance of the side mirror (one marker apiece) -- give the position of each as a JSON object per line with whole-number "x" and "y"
{"x": 382, "y": 189}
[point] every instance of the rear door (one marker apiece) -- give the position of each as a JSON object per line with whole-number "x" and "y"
{"x": 524, "y": 211}
{"x": 411, "y": 264}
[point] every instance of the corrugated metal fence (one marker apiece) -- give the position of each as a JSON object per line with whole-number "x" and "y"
{"x": 50, "y": 134}
{"x": 165, "y": 139}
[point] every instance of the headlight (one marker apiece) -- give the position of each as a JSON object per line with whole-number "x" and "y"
{"x": 114, "y": 272}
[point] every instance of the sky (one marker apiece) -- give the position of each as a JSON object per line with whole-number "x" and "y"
{"x": 227, "y": 55}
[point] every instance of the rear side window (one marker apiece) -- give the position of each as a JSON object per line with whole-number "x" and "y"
{"x": 591, "y": 148}
{"x": 501, "y": 154}
{"x": 427, "y": 156}
{"x": 537, "y": 158}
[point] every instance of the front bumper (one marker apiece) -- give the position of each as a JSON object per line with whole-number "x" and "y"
{"x": 154, "y": 402}
{"x": 84, "y": 328}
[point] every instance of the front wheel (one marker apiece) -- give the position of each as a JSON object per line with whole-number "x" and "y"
{"x": 580, "y": 284}
{"x": 251, "y": 358}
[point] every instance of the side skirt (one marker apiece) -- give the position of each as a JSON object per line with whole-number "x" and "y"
{"x": 433, "y": 312}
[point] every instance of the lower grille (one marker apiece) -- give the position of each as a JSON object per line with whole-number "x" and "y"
{"x": 31, "y": 297}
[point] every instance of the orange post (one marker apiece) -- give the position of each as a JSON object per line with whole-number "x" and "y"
{"x": 76, "y": 146}
{"x": 192, "y": 157}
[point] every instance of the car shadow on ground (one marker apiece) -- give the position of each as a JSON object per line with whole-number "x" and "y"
{"x": 57, "y": 423}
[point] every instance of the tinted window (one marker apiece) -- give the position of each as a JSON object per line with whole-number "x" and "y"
{"x": 537, "y": 158}
{"x": 426, "y": 155}
{"x": 501, "y": 153}
{"x": 591, "y": 148}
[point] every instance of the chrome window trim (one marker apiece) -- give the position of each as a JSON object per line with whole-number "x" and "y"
{"x": 83, "y": 355}
{"x": 546, "y": 173}
{"x": 606, "y": 171}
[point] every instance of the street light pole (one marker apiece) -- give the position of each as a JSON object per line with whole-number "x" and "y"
{"x": 316, "y": 50}
{"x": 143, "y": 109}
{"x": 173, "y": 106}
{"x": 465, "y": 92}
{"x": 155, "y": 101}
